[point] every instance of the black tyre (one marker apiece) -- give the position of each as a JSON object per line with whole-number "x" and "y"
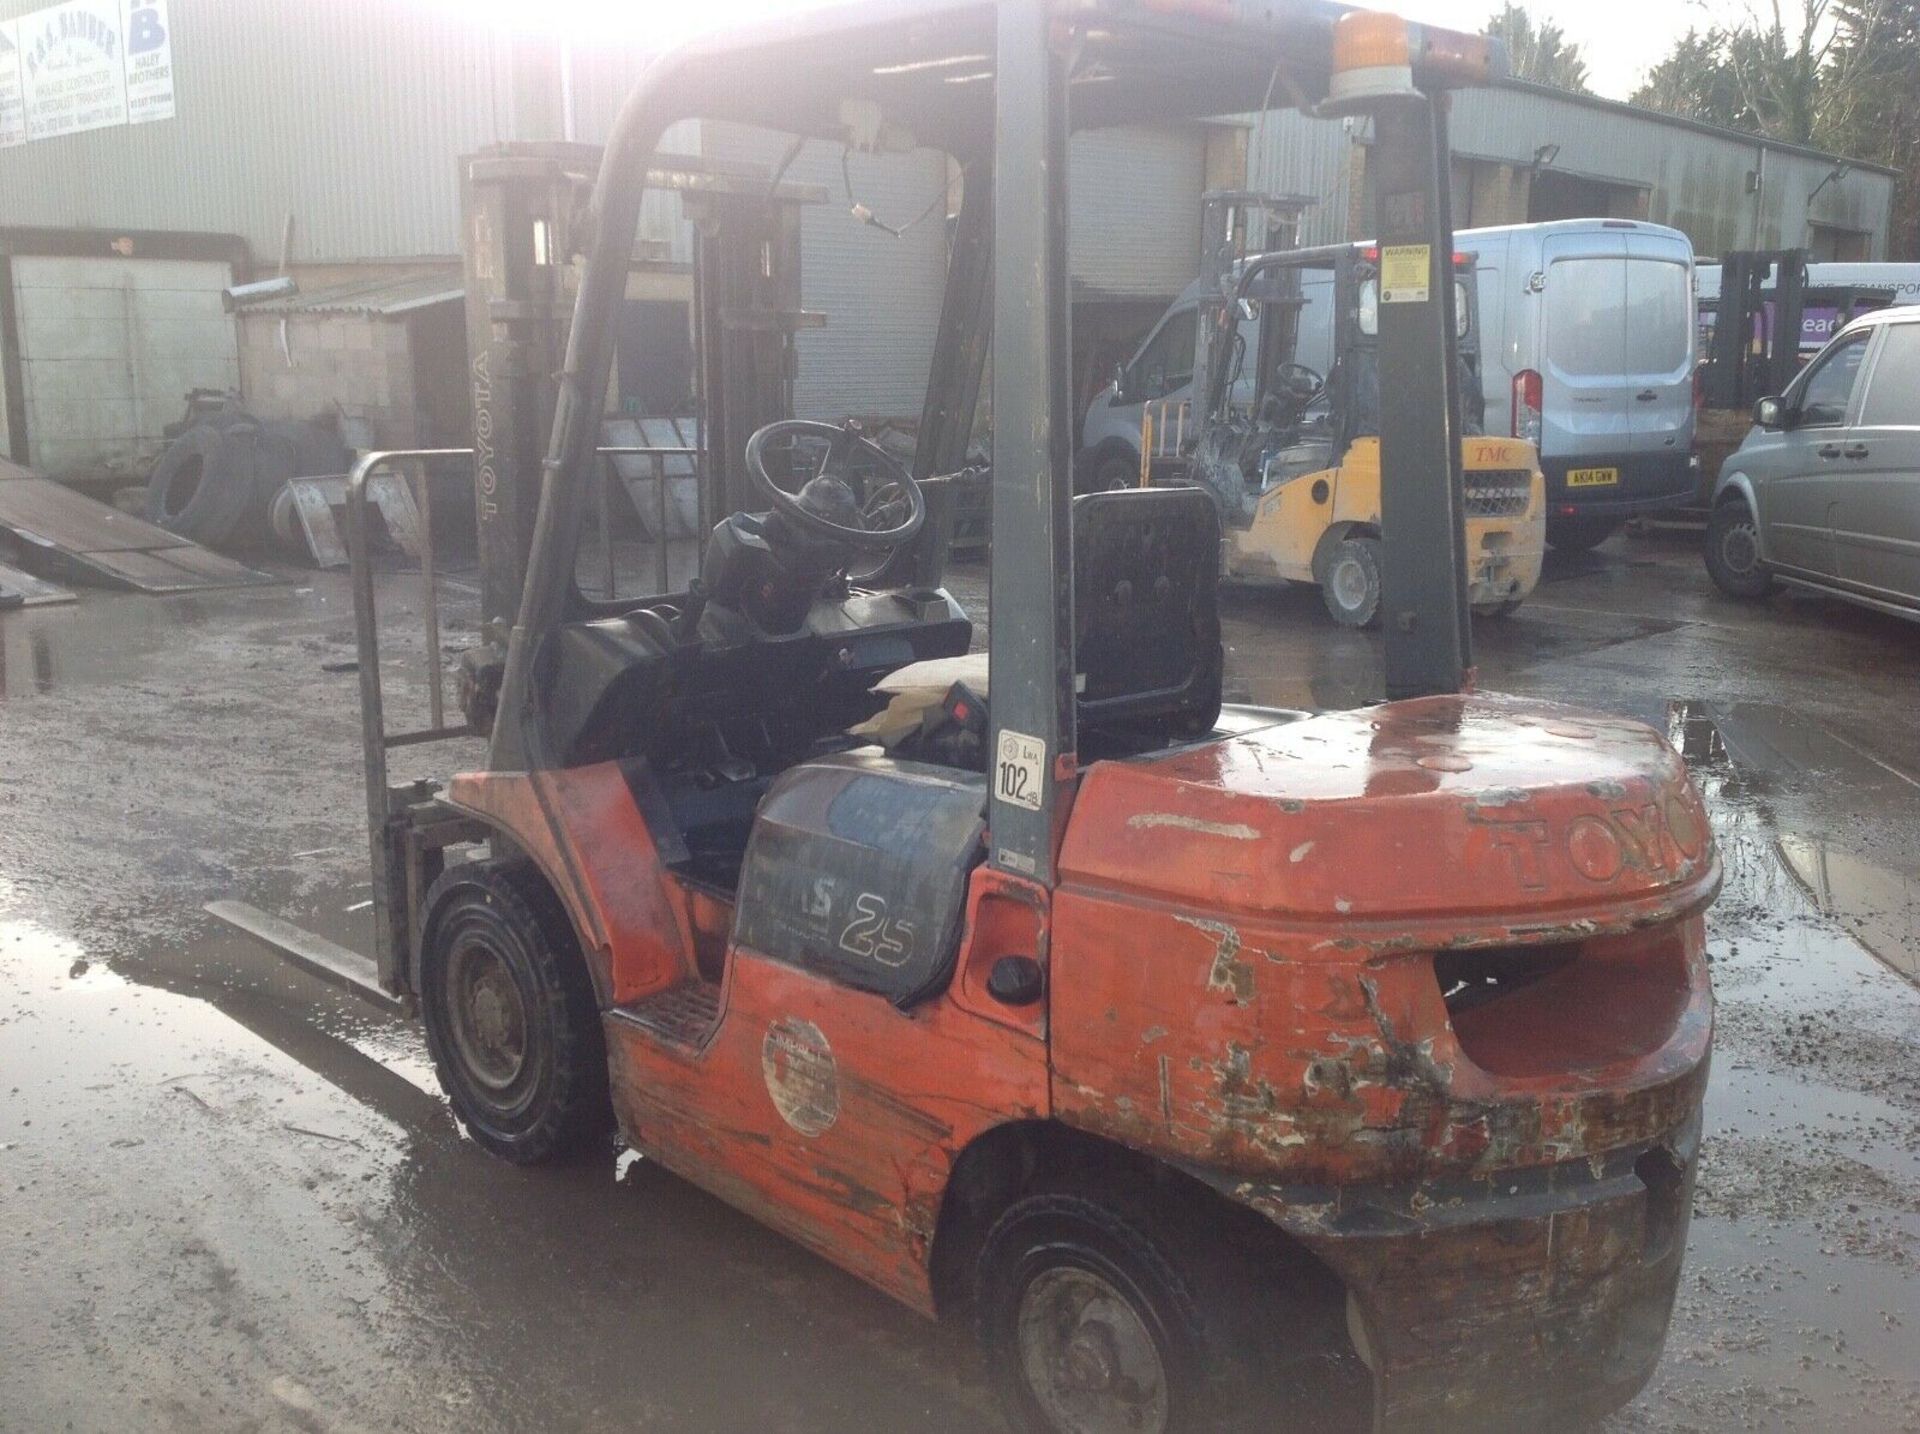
{"x": 1088, "y": 1323}
{"x": 1579, "y": 535}
{"x": 1350, "y": 582}
{"x": 511, "y": 1017}
{"x": 1505, "y": 608}
{"x": 1733, "y": 552}
{"x": 1106, "y": 470}
{"x": 202, "y": 484}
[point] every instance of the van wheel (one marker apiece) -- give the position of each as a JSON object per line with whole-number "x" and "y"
{"x": 1505, "y": 608}
{"x": 1733, "y": 552}
{"x": 511, "y": 1017}
{"x": 1113, "y": 471}
{"x": 1087, "y": 1323}
{"x": 1350, "y": 582}
{"x": 1579, "y": 535}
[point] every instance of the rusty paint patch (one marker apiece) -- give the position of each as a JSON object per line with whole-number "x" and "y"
{"x": 1228, "y": 972}
{"x": 1233, "y": 831}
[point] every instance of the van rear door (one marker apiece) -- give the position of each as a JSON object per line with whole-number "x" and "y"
{"x": 1659, "y": 344}
{"x": 1586, "y": 398}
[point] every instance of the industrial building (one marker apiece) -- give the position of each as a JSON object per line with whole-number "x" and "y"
{"x": 323, "y": 142}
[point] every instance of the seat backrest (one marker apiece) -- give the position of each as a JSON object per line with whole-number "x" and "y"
{"x": 1146, "y": 613}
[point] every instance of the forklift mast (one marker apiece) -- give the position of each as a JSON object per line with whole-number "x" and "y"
{"x": 1736, "y": 375}
{"x": 524, "y": 209}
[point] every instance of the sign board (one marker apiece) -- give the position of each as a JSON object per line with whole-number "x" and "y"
{"x": 84, "y": 65}
{"x": 13, "y": 110}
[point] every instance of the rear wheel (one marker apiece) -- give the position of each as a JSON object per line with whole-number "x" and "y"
{"x": 1350, "y": 582}
{"x": 1579, "y": 535}
{"x": 1733, "y": 552}
{"x": 511, "y": 1017}
{"x": 1088, "y": 1324}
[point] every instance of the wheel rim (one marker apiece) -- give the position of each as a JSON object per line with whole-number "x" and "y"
{"x": 1740, "y": 548}
{"x": 1349, "y": 580}
{"x": 488, "y": 1016}
{"x": 1088, "y": 1357}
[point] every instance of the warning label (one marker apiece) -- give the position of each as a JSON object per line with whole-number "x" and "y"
{"x": 1405, "y": 272}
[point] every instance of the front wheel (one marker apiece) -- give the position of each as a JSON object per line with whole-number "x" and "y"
{"x": 511, "y": 1017}
{"x": 1350, "y": 582}
{"x": 1088, "y": 1325}
{"x": 1733, "y": 552}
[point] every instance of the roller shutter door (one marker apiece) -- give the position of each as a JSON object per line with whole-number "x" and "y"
{"x": 1134, "y": 226}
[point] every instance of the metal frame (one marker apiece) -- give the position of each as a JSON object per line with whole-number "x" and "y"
{"x": 1033, "y": 749}
{"x": 400, "y": 836}
{"x": 1423, "y": 601}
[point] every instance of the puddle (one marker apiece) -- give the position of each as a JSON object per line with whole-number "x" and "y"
{"x": 1875, "y": 905}
{"x": 1754, "y": 764}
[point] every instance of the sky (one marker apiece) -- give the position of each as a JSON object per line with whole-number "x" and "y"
{"x": 1620, "y": 39}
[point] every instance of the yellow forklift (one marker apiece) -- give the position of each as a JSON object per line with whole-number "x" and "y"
{"x": 1291, "y": 452}
{"x": 1181, "y": 1048}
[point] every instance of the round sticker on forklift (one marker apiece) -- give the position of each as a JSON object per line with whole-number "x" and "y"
{"x": 1019, "y": 770}
{"x": 801, "y": 1075}
{"x": 1405, "y": 272}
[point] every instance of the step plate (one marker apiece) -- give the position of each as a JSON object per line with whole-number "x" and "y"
{"x": 684, "y": 1014}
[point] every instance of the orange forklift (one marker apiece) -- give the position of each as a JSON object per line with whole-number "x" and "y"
{"x": 1178, "y": 1045}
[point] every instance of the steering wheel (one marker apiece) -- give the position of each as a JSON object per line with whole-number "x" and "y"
{"x": 887, "y": 502}
{"x": 1301, "y": 383}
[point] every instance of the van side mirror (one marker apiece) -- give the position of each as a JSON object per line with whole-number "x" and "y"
{"x": 1120, "y": 381}
{"x": 1770, "y": 413}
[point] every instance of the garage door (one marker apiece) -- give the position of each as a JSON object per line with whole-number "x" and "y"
{"x": 108, "y": 350}
{"x": 1134, "y": 227}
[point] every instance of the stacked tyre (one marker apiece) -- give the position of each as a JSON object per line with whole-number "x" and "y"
{"x": 217, "y": 483}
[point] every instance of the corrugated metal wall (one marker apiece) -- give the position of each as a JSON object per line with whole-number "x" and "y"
{"x": 1698, "y": 179}
{"x": 1133, "y": 229}
{"x": 881, "y": 295}
{"x": 1292, "y": 153}
{"x": 346, "y": 112}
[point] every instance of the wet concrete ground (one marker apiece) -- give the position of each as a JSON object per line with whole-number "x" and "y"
{"x": 231, "y": 1199}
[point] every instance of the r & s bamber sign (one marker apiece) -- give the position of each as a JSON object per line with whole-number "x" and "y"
{"x": 84, "y": 64}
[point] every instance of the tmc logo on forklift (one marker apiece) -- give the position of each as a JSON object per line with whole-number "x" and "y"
{"x": 1658, "y": 838}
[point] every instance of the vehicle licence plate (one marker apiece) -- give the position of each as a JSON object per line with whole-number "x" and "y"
{"x": 1593, "y": 477}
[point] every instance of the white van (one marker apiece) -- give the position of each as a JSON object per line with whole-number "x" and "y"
{"x": 1586, "y": 349}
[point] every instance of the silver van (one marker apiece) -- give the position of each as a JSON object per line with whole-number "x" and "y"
{"x": 1586, "y": 350}
{"x": 1587, "y": 345}
{"x": 1825, "y": 492}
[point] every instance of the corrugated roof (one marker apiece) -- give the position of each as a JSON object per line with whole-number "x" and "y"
{"x": 386, "y": 298}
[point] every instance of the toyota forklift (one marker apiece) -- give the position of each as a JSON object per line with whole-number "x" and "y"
{"x": 1174, "y": 1044}
{"x": 1291, "y": 453}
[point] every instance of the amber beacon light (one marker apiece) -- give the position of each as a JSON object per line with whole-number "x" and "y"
{"x": 1378, "y": 55}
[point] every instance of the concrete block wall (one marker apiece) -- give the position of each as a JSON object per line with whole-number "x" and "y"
{"x": 359, "y": 364}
